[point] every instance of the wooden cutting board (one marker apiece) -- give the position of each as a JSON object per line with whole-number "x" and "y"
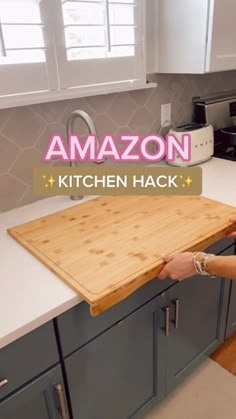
{"x": 107, "y": 248}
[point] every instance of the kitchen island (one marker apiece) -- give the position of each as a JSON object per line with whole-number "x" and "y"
{"x": 131, "y": 356}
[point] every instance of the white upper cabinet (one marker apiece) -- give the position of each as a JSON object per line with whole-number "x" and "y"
{"x": 221, "y": 48}
{"x": 195, "y": 36}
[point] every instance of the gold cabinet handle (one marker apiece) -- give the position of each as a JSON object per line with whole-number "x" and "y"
{"x": 3, "y": 383}
{"x": 62, "y": 401}
{"x": 167, "y": 321}
{"x": 177, "y": 309}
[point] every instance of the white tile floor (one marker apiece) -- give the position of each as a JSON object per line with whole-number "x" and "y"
{"x": 209, "y": 393}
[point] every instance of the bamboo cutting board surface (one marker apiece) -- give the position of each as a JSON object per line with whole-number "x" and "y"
{"x": 107, "y": 248}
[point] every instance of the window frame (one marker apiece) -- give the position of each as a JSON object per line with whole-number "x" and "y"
{"x": 56, "y": 93}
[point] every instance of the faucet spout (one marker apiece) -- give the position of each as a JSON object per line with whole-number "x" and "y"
{"x": 70, "y": 127}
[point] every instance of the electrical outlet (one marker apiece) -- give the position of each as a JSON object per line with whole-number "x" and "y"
{"x": 165, "y": 114}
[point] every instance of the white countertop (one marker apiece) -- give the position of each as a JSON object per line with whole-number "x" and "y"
{"x": 31, "y": 295}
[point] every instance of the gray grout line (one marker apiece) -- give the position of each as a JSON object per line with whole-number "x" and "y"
{"x": 138, "y": 107}
{"x": 37, "y": 114}
{"x": 21, "y": 152}
{"x": 16, "y": 178}
{"x": 56, "y": 120}
{"x": 11, "y": 165}
{"x": 7, "y": 119}
{"x": 64, "y": 113}
{"x": 60, "y": 126}
{"x": 37, "y": 138}
{"x": 109, "y": 117}
{"x": 11, "y": 141}
{"x": 23, "y": 195}
{"x": 89, "y": 106}
{"x": 35, "y": 144}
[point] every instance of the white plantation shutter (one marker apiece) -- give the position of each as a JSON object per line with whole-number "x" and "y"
{"x": 48, "y": 47}
{"x": 99, "y": 41}
{"x": 27, "y": 62}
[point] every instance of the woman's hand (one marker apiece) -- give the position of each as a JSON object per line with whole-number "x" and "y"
{"x": 181, "y": 266}
{"x": 233, "y": 234}
{"x": 178, "y": 267}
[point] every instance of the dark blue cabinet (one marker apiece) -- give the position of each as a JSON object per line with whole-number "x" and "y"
{"x": 27, "y": 358}
{"x": 140, "y": 359}
{"x": 41, "y": 399}
{"x": 231, "y": 321}
{"x": 117, "y": 365}
{"x": 77, "y": 327}
{"x": 198, "y": 312}
{"x": 197, "y": 330}
{"x": 120, "y": 372}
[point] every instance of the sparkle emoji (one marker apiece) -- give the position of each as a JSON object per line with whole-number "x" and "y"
{"x": 51, "y": 181}
{"x": 188, "y": 181}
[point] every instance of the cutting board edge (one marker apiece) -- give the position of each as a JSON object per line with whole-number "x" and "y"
{"x": 125, "y": 291}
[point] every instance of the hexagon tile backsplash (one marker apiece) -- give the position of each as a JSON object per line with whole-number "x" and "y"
{"x": 25, "y": 131}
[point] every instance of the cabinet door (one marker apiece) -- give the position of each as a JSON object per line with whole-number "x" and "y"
{"x": 38, "y": 400}
{"x": 198, "y": 309}
{"x": 231, "y": 322}
{"x": 115, "y": 375}
{"x": 221, "y": 48}
{"x": 18, "y": 368}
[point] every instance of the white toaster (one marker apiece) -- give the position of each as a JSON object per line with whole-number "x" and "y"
{"x": 202, "y": 143}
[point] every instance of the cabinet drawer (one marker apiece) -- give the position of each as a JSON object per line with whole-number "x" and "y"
{"x": 27, "y": 357}
{"x": 220, "y": 246}
{"x": 77, "y": 326}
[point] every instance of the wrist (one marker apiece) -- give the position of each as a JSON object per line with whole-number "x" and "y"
{"x": 213, "y": 264}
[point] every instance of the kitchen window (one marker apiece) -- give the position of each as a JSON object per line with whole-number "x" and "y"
{"x": 54, "y": 49}
{"x": 103, "y": 42}
{"x": 26, "y": 51}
